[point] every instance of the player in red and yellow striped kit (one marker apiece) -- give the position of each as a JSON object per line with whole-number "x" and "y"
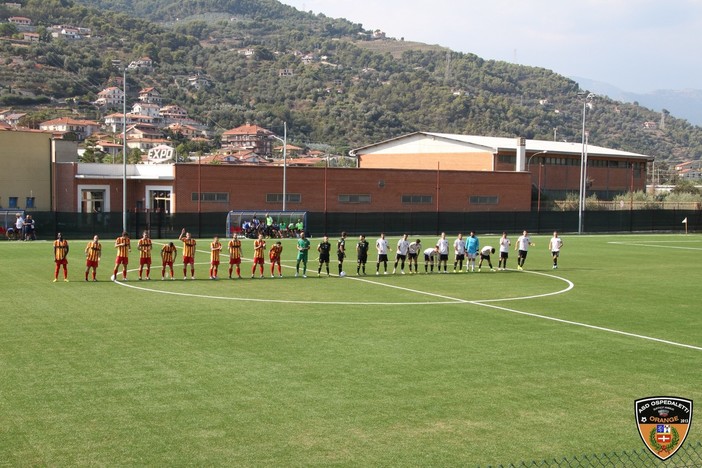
{"x": 144, "y": 246}
{"x": 259, "y": 253}
{"x": 93, "y": 252}
{"x": 123, "y": 245}
{"x": 215, "y": 249}
{"x": 188, "y": 253}
{"x": 274, "y": 255}
{"x": 168, "y": 256}
{"x": 235, "y": 255}
{"x": 60, "y": 254}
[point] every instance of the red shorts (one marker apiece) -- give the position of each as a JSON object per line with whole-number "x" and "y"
{"x": 145, "y": 261}
{"x": 235, "y": 261}
{"x": 215, "y": 263}
{"x": 275, "y": 259}
{"x": 91, "y": 263}
{"x": 259, "y": 261}
{"x": 165, "y": 264}
{"x": 62, "y": 262}
{"x": 188, "y": 260}
{"x": 122, "y": 260}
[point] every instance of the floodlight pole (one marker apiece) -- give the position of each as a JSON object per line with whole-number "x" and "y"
{"x": 124, "y": 149}
{"x": 583, "y": 166}
{"x": 285, "y": 161}
{"x": 284, "y": 141}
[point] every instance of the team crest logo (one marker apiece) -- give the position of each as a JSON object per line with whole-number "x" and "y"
{"x": 663, "y": 423}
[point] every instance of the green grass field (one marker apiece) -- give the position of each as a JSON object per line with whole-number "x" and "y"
{"x": 422, "y": 370}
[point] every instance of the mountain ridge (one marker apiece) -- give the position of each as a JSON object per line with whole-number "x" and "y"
{"x": 327, "y": 78}
{"x": 683, "y": 103}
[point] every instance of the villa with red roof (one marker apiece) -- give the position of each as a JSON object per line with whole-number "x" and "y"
{"x": 250, "y": 137}
{"x": 81, "y": 128}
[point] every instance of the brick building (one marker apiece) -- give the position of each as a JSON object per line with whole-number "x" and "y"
{"x": 554, "y": 166}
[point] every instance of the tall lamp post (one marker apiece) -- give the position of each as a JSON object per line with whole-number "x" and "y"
{"x": 124, "y": 149}
{"x": 284, "y": 141}
{"x": 535, "y": 154}
{"x": 587, "y": 102}
{"x": 119, "y": 65}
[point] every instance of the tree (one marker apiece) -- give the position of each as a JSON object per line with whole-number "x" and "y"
{"x": 685, "y": 186}
{"x": 8, "y": 29}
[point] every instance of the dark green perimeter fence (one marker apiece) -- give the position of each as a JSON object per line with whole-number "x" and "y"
{"x": 165, "y": 226}
{"x": 687, "y": 456}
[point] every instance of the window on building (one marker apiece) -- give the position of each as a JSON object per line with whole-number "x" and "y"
{"x": 92, "y": 201}
{"x": 278, "y": 198}
{"x": 417, "y": 199}
{"x": 484, "y": 200}
{"x": 215, "y": 197}
{"x": 12, "y": 201}
{"x": 506, "y": 159}
{"x": 354, "y": 198}
{"x": 29, "y": 202}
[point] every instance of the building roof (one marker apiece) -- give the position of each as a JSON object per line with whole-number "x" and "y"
{"x": 508, "y": 144}
{"x": 69, "y": 121}
{"x": 248, "y": 129}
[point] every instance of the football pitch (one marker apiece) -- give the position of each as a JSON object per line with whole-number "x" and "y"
{"x": 392, "y": 370}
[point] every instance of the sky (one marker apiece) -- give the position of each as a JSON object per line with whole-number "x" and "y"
{"x": 636, "y": 45}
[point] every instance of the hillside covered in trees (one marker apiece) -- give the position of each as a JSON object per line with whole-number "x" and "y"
{"x": 332, "y": 81}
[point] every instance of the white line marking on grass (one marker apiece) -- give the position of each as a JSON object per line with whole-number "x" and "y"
{"x": 450, "y": 301}
{"x": 447, "y": 299}
{"x": 593, "y": 327}
{"x": 466, "y": 301}
{"x": 548, "y": 275}
{"x": 453, "y": 300}
{"x": 282, "y": 301}
{"x": 484, "y": 303}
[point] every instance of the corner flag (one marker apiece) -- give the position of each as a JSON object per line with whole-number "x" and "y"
{"x": 684, "y": 221}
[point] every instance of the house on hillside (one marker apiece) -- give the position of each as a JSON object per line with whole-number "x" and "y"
{"x": 69, "y": 32}
{"x": 109, "y": 147}
{"x": 199, "y": 81}
{"x": 144, "y": 62}
{"x": 142, "y": 108}
{"x": 13, "y": 118}
{"x": 188, "y": 131}
{"x": 150, "y": 96}
{"x": 82, "y": 129}
{"x": 173, "y": 114}
{"x": 109, "y": 97}
{"x": 19, "y": 21}
{"x": 291, "y": 151}
{"x": 691, "y": 170}
{"x": 234, "y": 156}
{"x": 140, "y": 131}
{"x": 251, "y": 137}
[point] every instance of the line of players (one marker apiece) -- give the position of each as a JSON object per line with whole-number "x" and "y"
{"x": 467, "y": 250}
